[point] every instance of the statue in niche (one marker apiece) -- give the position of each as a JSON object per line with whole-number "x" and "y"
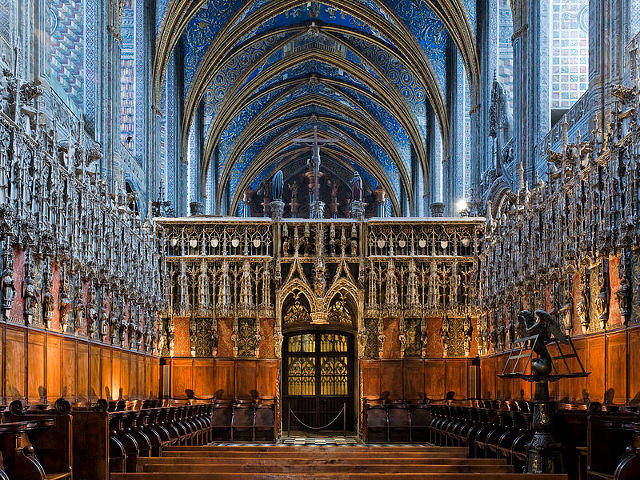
{"x": 356, "y": 187}
{"x": 294, "y": 204}
{"x": 467, "y": 331}
{"x": 498, "y": 120}
{"x": 104, "y": 316}
{"x": 92, "y": 311}
{"x": 247, "y": 195}
{"x": 445, "y": 331}
{"x": 276, "y": 186}
{"x": 8, "y": 289}
{"x": 47, "y": 298}
{"x": 333, "y": 206}
{"x": 30, "y": 295}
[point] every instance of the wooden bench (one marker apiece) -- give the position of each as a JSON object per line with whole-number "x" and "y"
{"x": 113, "y": 437}
{"x": 36, "y": 442}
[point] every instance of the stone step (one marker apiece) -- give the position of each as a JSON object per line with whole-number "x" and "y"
{"x": 315, "y": 452}
{"x": 297, "y": 460}
{"x": 325, "y": 469}
{"x": 338, "y": 476}
{"x": 301, "y": 448}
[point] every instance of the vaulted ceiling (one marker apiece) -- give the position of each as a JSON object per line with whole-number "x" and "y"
{"x": 268, "y": 71}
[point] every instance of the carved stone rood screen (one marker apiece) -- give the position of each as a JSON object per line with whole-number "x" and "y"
{"x": 252, "y": 268}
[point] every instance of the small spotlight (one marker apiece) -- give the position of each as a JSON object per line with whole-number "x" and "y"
{"x": 461, "y": 205}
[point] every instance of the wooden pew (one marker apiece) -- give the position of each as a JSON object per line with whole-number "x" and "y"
{"x": 44, "y": 434}
{"x": 113, "y": 437}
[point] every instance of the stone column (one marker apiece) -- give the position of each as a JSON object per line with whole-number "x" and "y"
{"x": 435, "y": 158}
{"x": 532, "y": 117}
{"x": 111, "y": 93}
{"x": 456, "y": 95}
{"x": 418, "y": 185}
{"x": 482, "y": 150}
{"x": 608, "y": 32}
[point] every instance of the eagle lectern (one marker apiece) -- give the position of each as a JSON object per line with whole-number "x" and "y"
{"x": 538, "y": 336}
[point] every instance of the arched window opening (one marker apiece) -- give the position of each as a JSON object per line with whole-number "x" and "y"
{"x": 504, "y": 69}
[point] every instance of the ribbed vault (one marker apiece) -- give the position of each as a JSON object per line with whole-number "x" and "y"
{"x": 365, "y": 70}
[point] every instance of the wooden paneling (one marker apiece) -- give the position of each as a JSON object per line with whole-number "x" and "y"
{"x": 391, "y": 379}
{"x": 232, "y": 378}
{"x": 95, "y": 373}
{"x": 44, "y": 366}
{"x": 68, "y": 368}
{"x": 203, "y": 374}
{"x": 246, "y": 371}
{"x": 124, "y": 371}
{"x": 617, "y": 367}
{"x": 36, "y": 373}
{"x": 224, "y": 378}
{"x": 107, "y": 372}
{"x": 434, "y": 379}
{"x": 634, "y": 361}
{"x": 609, "y": 357}
{"x": 456, "y": 377}
{"x": 54, "y": 366}
{"x": 83, "y": 371}
{"x": 267, "y": 377}
{"x": 181, "y": 376}
{"x": 411, "y": 378}
{"x": 370, "y": 378}
{"x": 16, "y": 364}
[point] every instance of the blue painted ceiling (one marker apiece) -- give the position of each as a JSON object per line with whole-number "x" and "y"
{"x": 314, "y": 60}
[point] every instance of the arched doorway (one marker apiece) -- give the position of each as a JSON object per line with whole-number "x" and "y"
{"x": 318, "y": 366}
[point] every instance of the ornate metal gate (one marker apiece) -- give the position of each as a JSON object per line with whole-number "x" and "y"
{"x": 319, "y": 376}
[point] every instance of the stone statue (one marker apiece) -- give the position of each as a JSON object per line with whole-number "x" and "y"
{"x": 30, "y": 295}
{"x": 276, "y": 186}
{"x": 356, "y": 187}
{"x": 8, "y": 291}
{"x": 294, "y": 199}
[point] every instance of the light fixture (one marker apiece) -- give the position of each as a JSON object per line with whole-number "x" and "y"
{"x": 461, "y": 205}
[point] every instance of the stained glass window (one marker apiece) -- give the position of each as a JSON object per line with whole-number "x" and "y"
{"x": 504, "y": 72}
{"x": 569, "y": 51}
{"x": 127, "y": 78}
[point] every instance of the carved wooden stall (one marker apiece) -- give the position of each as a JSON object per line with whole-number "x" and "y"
{"x": 570, "y": 246}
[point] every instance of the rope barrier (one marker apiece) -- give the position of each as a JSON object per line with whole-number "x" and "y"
{"x": 341, "y": 412}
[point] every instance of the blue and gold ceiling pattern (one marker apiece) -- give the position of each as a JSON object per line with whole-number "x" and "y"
{"x": 267, "y": 71}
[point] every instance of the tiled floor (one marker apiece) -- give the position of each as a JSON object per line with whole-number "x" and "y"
{"x": 318, "y": 439}
{"x": 307, "y": 438}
